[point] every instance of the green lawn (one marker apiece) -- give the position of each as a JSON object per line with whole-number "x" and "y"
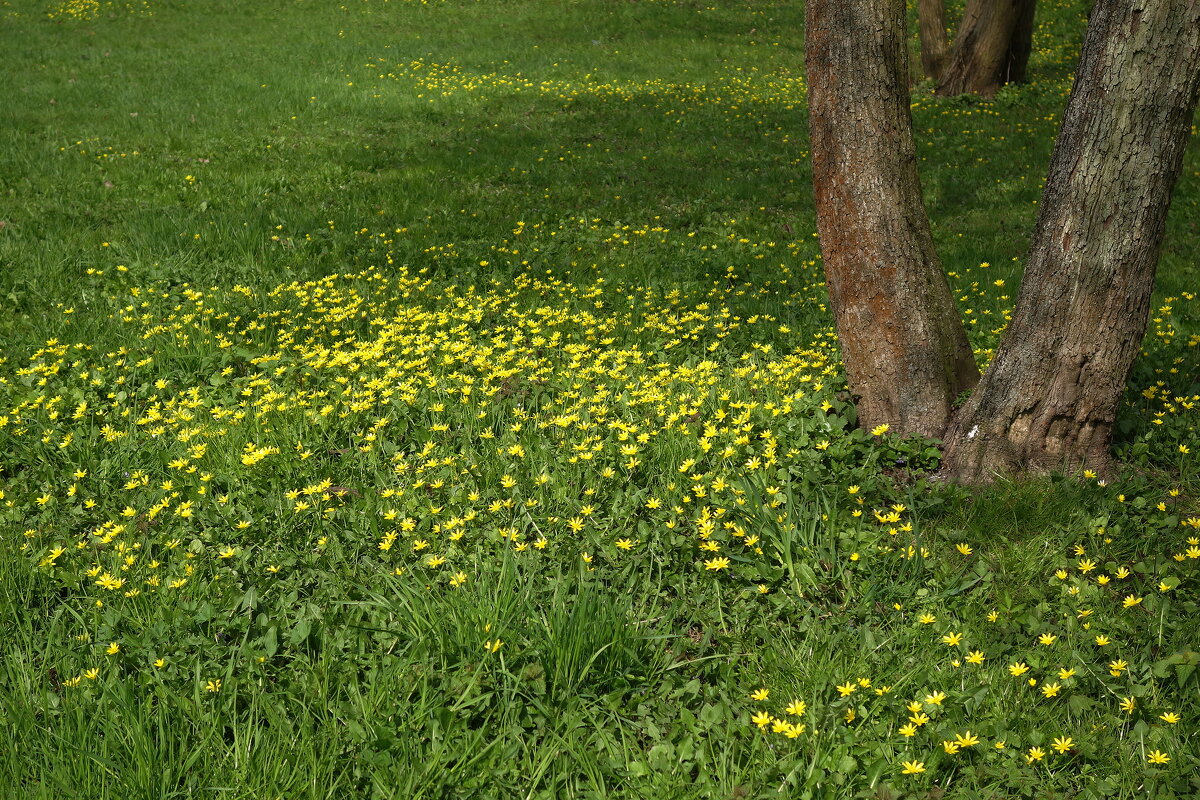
{"x": 440, "y": 399}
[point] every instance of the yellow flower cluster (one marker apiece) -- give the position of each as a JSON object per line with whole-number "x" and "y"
{"x": 91, "y": 9}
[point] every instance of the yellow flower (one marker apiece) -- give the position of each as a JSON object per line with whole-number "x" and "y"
{"x": 1157, "y": 757}
{"x": 797, "y": 708}
{"x": 1051, "y": 689}
{"x": 213, "y": 686}
{"x": 879, "y": 430}
{"x": 717, "y": 563}
{"x": 950, "y": 747}
{"x": 761, "y": 718}
{"x": 963, "y": 548}
{"x": 1063, "y": 743}
{"x": 113, "y": 648}
{"x": 1170, "y": 717}
{"x": 908, "y": 730}
{"x": 848, "y": 689}
{"x": 935, "y": 699}
{"x": 913, "y": 768}
{"x": 952, "y": 639}
{"x": 927, "y": 619}
{"x": 625, "y": 544}
{"x": 1047, "y": 639}
{"x": 1102, "y": 640}
{"x": 1130, "y": 601}
{"x": 966, "y": 739}
{"x": 760, "y": 694}
{"x": 1128, "y": 704}
{"x": 1035, "y": 754}
{"x": 975, "y": 657}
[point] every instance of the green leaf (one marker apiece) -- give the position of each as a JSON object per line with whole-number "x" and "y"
{"x": 301, "y": 631}
{"x": 270, "y": 641}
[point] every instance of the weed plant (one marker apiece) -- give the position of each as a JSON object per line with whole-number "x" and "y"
{"x": 440, "y": 399}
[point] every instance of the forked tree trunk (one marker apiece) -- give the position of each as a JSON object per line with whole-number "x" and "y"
{"x": 1050, "y": 397}
{"x": 903, "y": 345}
{"x": 991, "y": 49}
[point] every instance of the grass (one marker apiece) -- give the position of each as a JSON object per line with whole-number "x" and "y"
{"x": 440, "y": 400}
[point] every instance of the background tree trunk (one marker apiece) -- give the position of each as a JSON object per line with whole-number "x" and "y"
{"x": 1050, "y": 397}
{"x": 931, "y": 16}
{"x": 991, "y": 49}
{"x": 903, "y": 344}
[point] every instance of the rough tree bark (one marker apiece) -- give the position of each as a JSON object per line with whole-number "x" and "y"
{"x": 903, "y": 344}
{"x": 992, "y": 47}
{"x": 1050, "y": 396}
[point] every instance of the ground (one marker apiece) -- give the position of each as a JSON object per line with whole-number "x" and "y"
{"x": 440, "y": 400}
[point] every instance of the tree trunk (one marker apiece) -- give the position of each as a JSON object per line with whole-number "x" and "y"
{"x": 931, "y": 15}
{"x": 1050, "y": 397}
{"x": 903, "y": 344}
{"x": 991, "y": 49}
